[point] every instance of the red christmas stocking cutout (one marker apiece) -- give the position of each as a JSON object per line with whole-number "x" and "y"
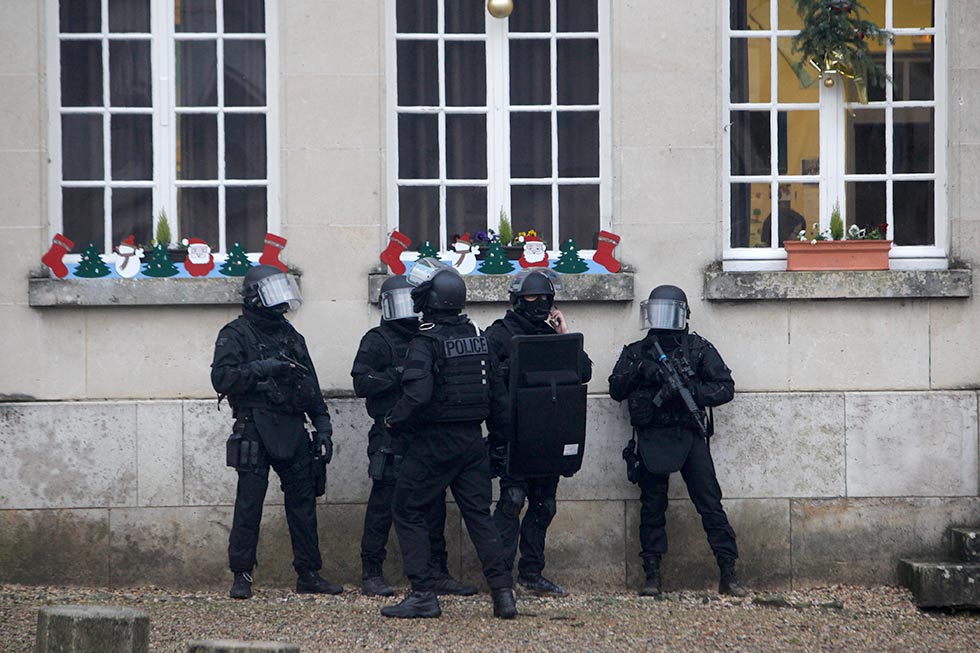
{"x": 397, "y": 243}
{"x": 604, "y": 252}
{"x": 270, "y": 251}
{"x": 60, "y": 245}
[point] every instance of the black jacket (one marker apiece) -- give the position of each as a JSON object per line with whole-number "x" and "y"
{"x": 502, "y": 331}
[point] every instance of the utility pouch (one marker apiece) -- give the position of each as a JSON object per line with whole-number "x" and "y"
{"x": 640, "y": 406}
{"x": 632, "y": 461}
{"x": 233, "y": 446}
{"x": 376, "y": 466}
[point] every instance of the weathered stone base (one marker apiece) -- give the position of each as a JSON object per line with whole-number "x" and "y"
{"x": 91, "y": 629}
{"x": 942, "y": 584}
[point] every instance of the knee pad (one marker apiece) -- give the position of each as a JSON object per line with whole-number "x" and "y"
{"x": 545, "y": 509}
{"x": 512, "y": 500}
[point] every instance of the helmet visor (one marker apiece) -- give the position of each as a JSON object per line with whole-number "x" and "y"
{"x": 280, "y": 289}
{"x": 424, "y": 269}
{"x": 663, "y": 314}
{"x": 397, "y": 304}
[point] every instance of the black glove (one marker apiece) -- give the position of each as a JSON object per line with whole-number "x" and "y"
{"x": 649, "y": 370}
{"x": 324, "y": 433}
{"x": 498, "y": 460}
{"x": 269, "y": 367}
{"x": 396, "y": 373}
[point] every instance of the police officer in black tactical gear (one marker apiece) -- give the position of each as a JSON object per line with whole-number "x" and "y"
{"x": 532, "y": 295}
{"x": 377, "y": 373}
{"x": 668, "y": 393}
{"x": 450, "y": 385}
{"x": 263, "y": 366}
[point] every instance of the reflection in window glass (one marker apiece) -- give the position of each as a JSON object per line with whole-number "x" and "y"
{"x": 129, "y": 15}
{"x": 578, "y": 144}
{"x": 578, "y": 15}
{"x": 83, "y": 216}
{"x": 418, "y": 74}
{"x": 865, "y": 141}
{"x": 751, "y": 147}
{"x": 531, "y": 16}
{"x": 81, "y": 147}
{"x": 799, "y": 142}
{"x": 530, "y": 145}
{"x": 913, "y": 140}
{"x": 578, "y": 215}
{"x": 750, "y": 75}
{"x": 867, "y": 204}
{"x": 129, "y": 74}
{"x": 578, "y": 71}
{"x": 466, "y": 209}
{"x": 798, "y": 81}
{"x": 466, "y": 74}
{"x": 245, "y": 212}
{"x": 532, "y": 206}
{"x": 418, "y": 146}
{"x": 197, "y": 73}
{"x": 750, "y": 14}
{"x": 912, "y": 61}
{"x": 195, "y": 16}
{"x": 530, "y": 72}
{"x": 914, "y": 213}
{"x": 132, "y": 214}
{"x": 81, "y": 73}
{"x": 418, "y": 213}
{"x": 913, "y": 13}
{"x": 466, "y": 146}
{"x": 416, "y": 16}
{"x": 244, "y": 16}
{"x": 244, "y": 73}
{"x": 132, "y": 147}
{"x": 750, "y": 204}
{"x": 198, "y": 211}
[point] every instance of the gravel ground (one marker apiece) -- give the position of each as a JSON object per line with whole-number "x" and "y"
{"x": 824, "y": 619}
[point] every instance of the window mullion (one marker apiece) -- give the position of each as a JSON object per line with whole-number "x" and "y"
{"x": 498, "y": 114}
{"x": 553, "y": 46}
{"x": 107, "y": 132}
{"x": 890, "y": 125}
{"x": 774, "y": 128}
{"x": 220, "y": 76}
{"x": 441, "y": 76}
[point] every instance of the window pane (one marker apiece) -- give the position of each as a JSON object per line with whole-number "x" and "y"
{"x": 465, "y": 17}
{"x": 530, "y": 145}
{"x": 132, "y": 214}
{"x": 242, "y": 16}
{"x": 530, "y": 208}
{"x": 750, "y": 144}
{"x": 865, "y": 141}
{"x": 578, "y": 144}
{"x": 798, "y": 81}
{"x": 83, "y": 216}
{"x": 81, "y": 74}
{"x": 799, "y": 142}
{"x": 914, "y": 213}
{"x": 750, "y": 204}
{"x": 466, "y": 210}
{"x": 530, "y": 72}
{"x": 129, "y": 16}
{"x": 750, "y": 14}
{"x": 197, "y": 146}
{"x": 466, "y": 74}
{"x": 197, "y": 214}
{"x": 913, "y": 64}
{"x": 245, "y": 154}
{"x": 913, "y": 13}
{"x": 244, "y": 73}
{"x": 81, "y": 147}
{"x": 799, "y": 208}
{"x": 197, "y": 74}
{"x": 132, "y": 147}
{"x": 418, "y": 146}
{"x": 416, "y": 16}
{"x": 466, "y": 146}
{"x": 531, "y": 16}
{"x": 751, "y": 73}
{"x": 129, "y": 74}
{"x": 578, "y": 215}
{"x": 866, "y": 204}
{"x": 578, "y": 16}
{"x": 913, "y": 141}
{"x": 195, "y": 16}
{"x": 245, "y": 217}
{"x": 578, "y": 71}
{"x": 76, "y": 16}
{"x": 418, "y": 214}
{"x": 418, "y": 74}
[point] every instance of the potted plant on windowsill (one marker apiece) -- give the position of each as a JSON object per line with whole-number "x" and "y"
{"x": 864, "y": 249}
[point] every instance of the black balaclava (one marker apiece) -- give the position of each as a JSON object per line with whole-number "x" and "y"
{"x": 535, "y": 312}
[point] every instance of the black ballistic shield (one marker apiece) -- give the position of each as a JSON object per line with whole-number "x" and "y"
{"x": 547, "y": 405}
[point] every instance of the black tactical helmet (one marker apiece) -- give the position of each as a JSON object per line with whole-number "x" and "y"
{"x": 666, "y": 308}
{"x": 444, "y": 291}
{"x": 250, "y": 284}
{"x": 395, "y": 298}
{"x": 536, "y": 282}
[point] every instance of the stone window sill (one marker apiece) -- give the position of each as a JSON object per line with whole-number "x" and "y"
{"x": 884, "y": 284}
{"x": 212, "y": 291}
{"x": 481, "y": 289}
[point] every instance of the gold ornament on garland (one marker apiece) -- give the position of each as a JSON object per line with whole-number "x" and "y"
{"x": 500, "y": 8}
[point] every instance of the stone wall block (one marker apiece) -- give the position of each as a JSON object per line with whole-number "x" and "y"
{"x": 352, "y": 49}
{"x": 67, "y": 455}
{"x": 81, "y": 556}
{"x": 316, "y": 119}
{"x": 911, "y": 444}
{"x": 603, "y": 473}
{"x": 207, "y": 481}
{"x": 160, "y": 434}
{"x": 89, "y": 628}
{"x": 347, "y": 479}
{"x": 860, "y": 541}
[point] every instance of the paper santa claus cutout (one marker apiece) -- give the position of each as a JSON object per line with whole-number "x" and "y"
{"x": 126, "y": 258}
{"x": 200, "y": 260}
{"x": 535, "y": 255}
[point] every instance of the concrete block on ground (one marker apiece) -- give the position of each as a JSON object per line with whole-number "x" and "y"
{"x": 81, "y": 556}
{"x": 860, "y": 541}
{"x": 92, "y": 629}
{"x": 160, "y": 434}
{"x": 763, "y": 536}
{"x": 238, "y": 646}
{"x": 942, "y": 584}
{"x": 965, "y": 544}
{"x": 68, "y": 455}
{"x": 911, "y": 444}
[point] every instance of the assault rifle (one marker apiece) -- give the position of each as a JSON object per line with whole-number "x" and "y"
{"x": 673, "y": 384}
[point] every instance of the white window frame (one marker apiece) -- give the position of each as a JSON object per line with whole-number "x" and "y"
{"x": 832, "y": 178}
{"x": 164, "y": 110}
{"x": 497, "y": 38}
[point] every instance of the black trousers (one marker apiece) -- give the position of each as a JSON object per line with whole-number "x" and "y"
{"x": 530, "y": 532}
{"x": 445, "y": 455}
{"x": 377, "y": 526}
{"x": 297, "y": 484}
{"x": 698, "y": 473}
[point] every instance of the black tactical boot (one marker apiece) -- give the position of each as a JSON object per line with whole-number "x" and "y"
{"x": 651, "y": 587}
{"x": 309, "y": 582}
{"x": 241, "y": 588}
{"x": 729, "y": 583}
{"x": 376, "y": 586}
{"x": 417, "y": 605}
{"x": 446, "y": 584}
{"x": 540, "y": 586}
{"x": 504, "y": 603}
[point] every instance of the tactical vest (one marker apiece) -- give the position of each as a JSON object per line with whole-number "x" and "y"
{"x": 461, "y": 390}
{"x": 378, "y": 406}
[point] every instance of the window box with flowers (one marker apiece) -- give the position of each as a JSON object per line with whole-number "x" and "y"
{"x": 863, "y": 249}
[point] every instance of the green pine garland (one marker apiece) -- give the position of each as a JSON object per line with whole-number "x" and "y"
{"x": 835, "y": 32}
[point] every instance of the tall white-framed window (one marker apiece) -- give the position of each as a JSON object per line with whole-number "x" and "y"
{"x": 488, "y": 115}
{"x": 795, "y": 148}
{"x": 163, "y": 107}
